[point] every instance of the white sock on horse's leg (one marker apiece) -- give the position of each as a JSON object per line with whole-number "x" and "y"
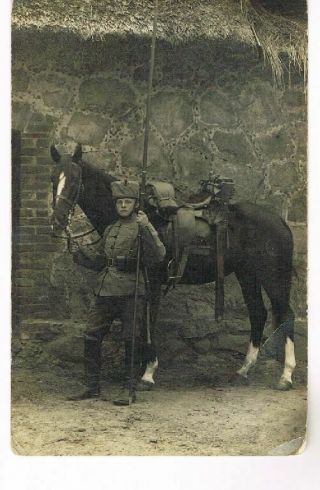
{"x": 289, "y": 361}
{"x": 150, "y": 370}
{"x": 250, "y": 360}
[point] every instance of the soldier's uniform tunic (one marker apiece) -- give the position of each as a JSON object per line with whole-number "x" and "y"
{"x": 115, "y": 287}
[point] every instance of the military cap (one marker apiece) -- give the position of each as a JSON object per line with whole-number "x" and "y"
{"x": 125, "y": 188}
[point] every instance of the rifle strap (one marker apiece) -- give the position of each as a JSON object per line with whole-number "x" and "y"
{"x": 148, "y": 305}
{"x": 175, "y": 243}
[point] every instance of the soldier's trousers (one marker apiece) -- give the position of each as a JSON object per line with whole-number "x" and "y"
{"x": 102, "y": 313}
{"x": 108, "y": 308}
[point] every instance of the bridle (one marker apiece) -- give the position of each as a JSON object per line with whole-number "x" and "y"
{"x": 72, "y": 205}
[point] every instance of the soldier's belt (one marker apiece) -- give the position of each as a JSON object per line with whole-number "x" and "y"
{"x": 122, "y": 263}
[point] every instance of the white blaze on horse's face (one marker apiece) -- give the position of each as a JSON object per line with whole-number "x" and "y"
{"x": 61, "y": 184}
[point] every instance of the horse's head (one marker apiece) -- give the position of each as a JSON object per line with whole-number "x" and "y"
{"x": 66, "y": 179}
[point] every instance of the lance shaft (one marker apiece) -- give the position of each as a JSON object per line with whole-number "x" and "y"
{"x": 147, "y": 120}
{"x": 142, "y": 195}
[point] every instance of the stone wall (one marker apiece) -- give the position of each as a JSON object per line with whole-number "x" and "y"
{"x": 214, "y": 107}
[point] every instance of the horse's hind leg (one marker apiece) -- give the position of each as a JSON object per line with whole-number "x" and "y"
{"x": 285, "y": 382}
{"x": 251, "y": 290}
{"x": 284, "y": 318}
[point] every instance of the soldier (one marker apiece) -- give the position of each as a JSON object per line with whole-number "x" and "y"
{"x": 116, "y": 258}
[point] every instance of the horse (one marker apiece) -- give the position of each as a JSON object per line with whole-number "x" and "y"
{"x": 260, "y": 254}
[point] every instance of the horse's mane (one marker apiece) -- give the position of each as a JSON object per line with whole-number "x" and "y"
{"x": 98, "y": 172}
{"x": 197, "y": 197}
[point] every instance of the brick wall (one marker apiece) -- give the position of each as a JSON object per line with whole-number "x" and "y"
{"x": 32, "y": 243}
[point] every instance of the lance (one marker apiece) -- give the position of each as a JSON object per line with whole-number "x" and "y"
{"x": 142, "y": 195}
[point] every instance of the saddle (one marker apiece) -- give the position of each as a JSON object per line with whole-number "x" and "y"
{"x": 213, "y": 208}
{"x": 181, "y": 226}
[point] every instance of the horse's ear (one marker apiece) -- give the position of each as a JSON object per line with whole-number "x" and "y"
{"x": 55, "y": 155}
{"x": 77, "y": 155}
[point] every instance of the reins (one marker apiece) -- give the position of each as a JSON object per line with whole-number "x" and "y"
{"x": 73, "y": 237}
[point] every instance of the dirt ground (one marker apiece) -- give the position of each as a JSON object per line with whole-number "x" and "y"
{"x": 186, "y": 414}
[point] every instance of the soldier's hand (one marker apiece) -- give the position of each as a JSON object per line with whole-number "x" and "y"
{"x": 142, "y": 219}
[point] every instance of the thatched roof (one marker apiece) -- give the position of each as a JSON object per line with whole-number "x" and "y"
{"x": 179, "y": 20}
{"x": 247, "y": 21}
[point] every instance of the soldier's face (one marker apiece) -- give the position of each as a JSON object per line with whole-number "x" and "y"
{"x": 125, "y": 206}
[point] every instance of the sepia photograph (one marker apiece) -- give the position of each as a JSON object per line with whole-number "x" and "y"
{"x": 159, "y": 227}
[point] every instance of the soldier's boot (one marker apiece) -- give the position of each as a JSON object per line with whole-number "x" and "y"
{"x": 92, "y": 367}
{"x": 127, "y": 394}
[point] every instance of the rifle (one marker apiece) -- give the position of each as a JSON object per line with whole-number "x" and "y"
{"x": 142, "y": 194}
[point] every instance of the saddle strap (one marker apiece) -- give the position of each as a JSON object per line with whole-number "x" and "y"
{"x": 182, "y": 262}
{"x": 174, "y": 265}
{"x": 221, "y": 246}
{"x": 175, "y": 243}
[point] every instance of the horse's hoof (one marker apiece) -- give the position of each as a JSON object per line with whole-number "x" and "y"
{"x": 144, "y": 385}
{"x": 239, "y": 380}
{"x": 283, "y": 385}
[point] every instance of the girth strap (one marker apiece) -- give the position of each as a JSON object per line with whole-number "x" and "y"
{"x": 183, "y": 230}
{"x": 173, "y": 265}
{"x": 221, "y": 246}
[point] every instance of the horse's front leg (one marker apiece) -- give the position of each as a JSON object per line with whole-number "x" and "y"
{"x": 149, "y": 365}
{"x": 147, "y": 380}
{"x": 287, "y": 333}
{"x": 251, "y": 290}
{"x": 283, "y": 324}
{"x": 149, "y": 354}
